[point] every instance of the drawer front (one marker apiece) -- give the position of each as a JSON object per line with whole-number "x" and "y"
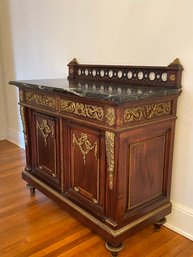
{"x": 95, "y": 113}
{"x": 47, "y": 102}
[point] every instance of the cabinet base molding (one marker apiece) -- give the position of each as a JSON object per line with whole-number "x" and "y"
{"x": 99, "y": 226}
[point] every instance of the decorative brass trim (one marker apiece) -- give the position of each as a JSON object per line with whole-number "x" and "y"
{"x": 110, "y": 116}
{"x": 21, "y": 95}
{"x": 77, "y": 189}
{"x": 175, "y": 62}
{"x": 85, "y": 146}
{"x": 146, "y": 112}
{"x": 110, "y": 143}
{"x": 73, "y": 62}
{"x": 172, "y": 77}
{"x": 42, "y": 100}
{"x": 89, "y": 111}
{"x": 23, "y": 123}
{"x": 111, "y": 222}
{"x": 52, "y": 173}
{"x": 45, "y": 130}
{"x": 95, "y": 201}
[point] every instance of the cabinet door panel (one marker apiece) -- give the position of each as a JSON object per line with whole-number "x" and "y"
{"x": 46, "y": 143}
{"x": 86, "y": 166}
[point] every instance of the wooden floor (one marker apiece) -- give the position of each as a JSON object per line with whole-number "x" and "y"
{"x": 36, "y": 226}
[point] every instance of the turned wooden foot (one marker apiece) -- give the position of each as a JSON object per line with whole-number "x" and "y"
{"x": 114, "y": 249}
{"x": 32, "y": 189}
{"x": 158, "y": 224}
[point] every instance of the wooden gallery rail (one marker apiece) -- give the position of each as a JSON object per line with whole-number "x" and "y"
{"x": 101, "y": 144}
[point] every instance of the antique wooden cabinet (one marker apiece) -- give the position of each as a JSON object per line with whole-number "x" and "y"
{"x": 101, "y": 143}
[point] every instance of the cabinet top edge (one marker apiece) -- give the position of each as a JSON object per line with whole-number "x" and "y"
{"x": 101, "y": 91}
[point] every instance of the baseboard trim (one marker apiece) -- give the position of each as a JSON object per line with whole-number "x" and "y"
{"x": 15, "y": 137}
{"x": 181, "y": 220}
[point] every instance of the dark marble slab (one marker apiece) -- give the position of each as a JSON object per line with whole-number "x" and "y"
{"x": 115, "y": 92}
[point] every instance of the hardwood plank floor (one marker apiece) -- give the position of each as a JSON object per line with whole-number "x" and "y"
{"x": 36, "y": 226}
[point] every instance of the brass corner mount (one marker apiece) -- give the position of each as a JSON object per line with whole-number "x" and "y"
{"x": 73, "y": 62}
{"x": 175, "y": 62}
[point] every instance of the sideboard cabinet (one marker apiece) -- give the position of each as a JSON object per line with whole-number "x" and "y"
{"x": 101, "y": 143}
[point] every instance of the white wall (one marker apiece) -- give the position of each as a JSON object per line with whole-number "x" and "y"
{"x": 9, "y": 94}
{"x": 47, "y": 34}
{"x": 2, "y": 107}
{"x": 2, "y": 95}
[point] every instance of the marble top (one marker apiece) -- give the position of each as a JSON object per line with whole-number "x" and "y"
{"x": 115, "y": 92}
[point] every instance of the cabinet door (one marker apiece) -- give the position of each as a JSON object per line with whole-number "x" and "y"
{"x": 46, "y": 148}
{"x": 86, "y": 183}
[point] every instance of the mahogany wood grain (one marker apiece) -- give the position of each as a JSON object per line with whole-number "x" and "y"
{"x": 36, "y": 226}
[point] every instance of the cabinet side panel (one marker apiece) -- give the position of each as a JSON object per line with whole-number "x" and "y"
{"x": 146, "y": 170}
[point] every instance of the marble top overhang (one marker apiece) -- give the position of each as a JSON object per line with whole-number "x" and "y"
{"x": 117, "y": 93}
